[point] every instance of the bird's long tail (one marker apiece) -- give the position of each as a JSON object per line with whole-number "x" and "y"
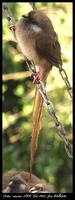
{"x": 36, "y": 126}
{"x": 44, "y": 71}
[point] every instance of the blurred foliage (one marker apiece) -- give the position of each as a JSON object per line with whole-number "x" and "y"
{"x": 52, "y": 162}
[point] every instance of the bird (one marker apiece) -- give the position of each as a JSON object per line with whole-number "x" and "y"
{"x": 18, "y": 182}
{"x": 39, "y": 42}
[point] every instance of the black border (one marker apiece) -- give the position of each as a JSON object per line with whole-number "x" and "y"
{"x": 36, "y": 196}
{"x": 0, "y": 98}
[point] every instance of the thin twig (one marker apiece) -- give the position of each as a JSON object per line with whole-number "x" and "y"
{"x": 17, "y": 75}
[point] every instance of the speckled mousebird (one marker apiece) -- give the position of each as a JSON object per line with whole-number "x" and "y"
{"x": 38, "y": 42}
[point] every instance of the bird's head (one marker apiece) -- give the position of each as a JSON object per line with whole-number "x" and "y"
{"x": 18, "y": 185}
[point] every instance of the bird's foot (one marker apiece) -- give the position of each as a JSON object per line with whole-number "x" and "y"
{"x": 38, "y": 188}
{"x": 37, "y": 77}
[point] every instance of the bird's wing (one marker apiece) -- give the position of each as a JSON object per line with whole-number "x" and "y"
{"x": 49, "y": 48}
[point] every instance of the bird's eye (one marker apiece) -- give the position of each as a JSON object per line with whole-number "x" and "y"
{"x": 30, "y": 14}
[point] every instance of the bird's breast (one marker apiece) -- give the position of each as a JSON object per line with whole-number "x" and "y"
{"x": 27, "y": 41}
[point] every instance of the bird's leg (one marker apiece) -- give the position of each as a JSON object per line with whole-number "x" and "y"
{"x": 40, "y": 74}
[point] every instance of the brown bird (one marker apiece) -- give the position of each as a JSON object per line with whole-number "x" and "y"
{"x": 38, "y": 42}
{"x": 18, "y": 182}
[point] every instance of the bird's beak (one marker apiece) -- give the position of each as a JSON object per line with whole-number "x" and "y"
{"x": 25, "y": 16}
{"x": 10, "y": 183}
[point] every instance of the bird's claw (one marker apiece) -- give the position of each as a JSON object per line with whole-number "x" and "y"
{"x": 36, "y": 77}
